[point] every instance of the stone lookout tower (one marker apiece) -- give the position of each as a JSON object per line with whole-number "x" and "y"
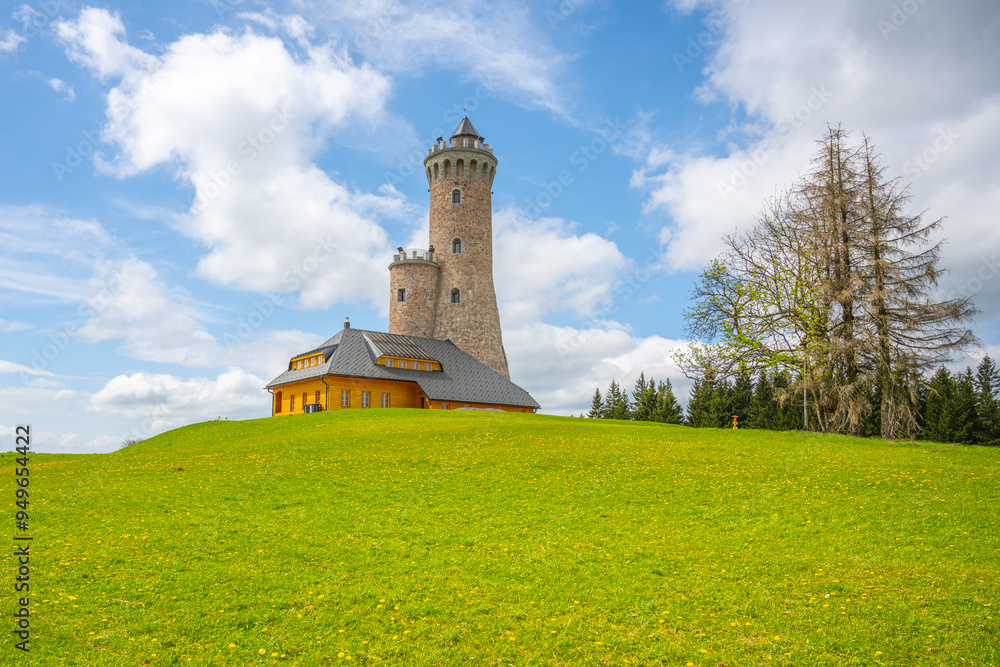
{"x": 446, "y": 291}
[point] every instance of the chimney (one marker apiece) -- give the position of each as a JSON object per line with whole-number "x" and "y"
{"x": 347, "y": 323}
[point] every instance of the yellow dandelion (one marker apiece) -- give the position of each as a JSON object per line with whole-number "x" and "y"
{"x": 262, "y": 652}
{"x": 232, "y": 646}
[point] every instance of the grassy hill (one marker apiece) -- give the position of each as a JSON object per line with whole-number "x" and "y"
{"x": 408, "y": 537}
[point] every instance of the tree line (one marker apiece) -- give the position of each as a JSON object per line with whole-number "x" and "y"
{"x": 951, "y": 407}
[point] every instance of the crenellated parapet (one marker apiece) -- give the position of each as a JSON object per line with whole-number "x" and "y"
{"x": 467, "y": 158}
{"x": 408, "y": 255}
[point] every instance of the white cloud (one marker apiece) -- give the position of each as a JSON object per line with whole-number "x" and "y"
{"x": 10, "y": 40}
{"x": 491, "y": 43}
{"x": 794, "y": 67}
{"x": 562, "y": 366}
{"x": 95, "y": 40}
{"x": 541, "y": 266}
{"x": 11, "y": 367}
{"x": 21, "y": 400}
{"x": 131, "y": 303}
{"x": 55, "y": 256}
{"x": 164, "y": 401}
{"x": 240, "y": 118}
{"x": 61, "y": 86}
{"x": 9, "y": 326}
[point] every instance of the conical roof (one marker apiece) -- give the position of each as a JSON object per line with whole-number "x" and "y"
{"x": 466, "y": 128}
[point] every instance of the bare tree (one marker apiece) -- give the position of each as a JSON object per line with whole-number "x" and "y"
{"x": 910, "y": 332}
{"x": 833, "y": 285}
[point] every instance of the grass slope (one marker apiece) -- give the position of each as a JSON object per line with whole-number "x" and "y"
{"x": 408, "y": 537}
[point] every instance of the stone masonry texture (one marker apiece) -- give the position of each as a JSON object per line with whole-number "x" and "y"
{"x": 473, "y": 324}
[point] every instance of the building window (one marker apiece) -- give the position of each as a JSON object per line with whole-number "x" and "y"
{"x": 428, "y": 367}
{"x": 401, "y": 295}
{"x": 291, "y": 403}
{"x": 304, "y": 400}
{"x": 388, "y": 362}
{"x": 444, "y": 406}
{"x": 456, "y": 296}
{"x": 317, "y": 397}
{"x": 277, "y": 402}
{"x": 456, "y": 197}
{"x": 366, "y": 399}
{"x": 385, "y": 400}
{"x": 456, "y": 246}
{"x": 345, "y": 398}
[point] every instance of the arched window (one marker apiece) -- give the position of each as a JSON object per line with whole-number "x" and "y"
{"x": 401, "y": 295}
{"x": 456, "y": 296}
{"x": 456, "y": 246}
{"x": 456, "y": 197}
{"x": 447, "y": 169}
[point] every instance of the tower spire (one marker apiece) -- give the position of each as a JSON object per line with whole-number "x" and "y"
{"x": 466, "y": 129}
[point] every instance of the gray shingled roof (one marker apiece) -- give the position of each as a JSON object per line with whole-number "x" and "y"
{"x": 465, "y": 128}
{"x": 393, "y": 345}
{"x": 462, "y": 378}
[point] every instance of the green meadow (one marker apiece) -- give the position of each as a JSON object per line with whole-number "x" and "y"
{"x": 409, "y": 537}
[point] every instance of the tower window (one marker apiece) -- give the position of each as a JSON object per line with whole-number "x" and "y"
{"x": 401, "y": 295}
{"x": 456, "y": 197}
{"x": 456, "y": 296}
{"x": 456, "y": 246}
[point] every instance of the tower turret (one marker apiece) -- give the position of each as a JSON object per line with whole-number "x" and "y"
{"x": 413, "y": 282}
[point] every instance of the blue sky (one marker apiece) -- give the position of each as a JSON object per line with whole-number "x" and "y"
{"x": 193, "y": 194}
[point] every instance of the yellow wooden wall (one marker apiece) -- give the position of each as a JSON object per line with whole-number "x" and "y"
{"x": 401, "y": 395}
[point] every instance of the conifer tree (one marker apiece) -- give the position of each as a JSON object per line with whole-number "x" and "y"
{"x": 988, "y": 402}
{"x": 596, "y": 406}
{"x": 763, "y": 409}
{"x": 740, "y": 398}
{"x": 616, "y": 403}
{"x": 644, "y": 399}
{"x": 938, "y": 407}
{"x": 964, "y": 419}
{"x": 667, "y": 409}
{"x": 708, "y": 405}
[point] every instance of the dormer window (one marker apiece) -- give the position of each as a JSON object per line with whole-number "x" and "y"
{"x": 456, "y": 246}
{"x": 456, "y": 197}
{"x": 456, "y": 296}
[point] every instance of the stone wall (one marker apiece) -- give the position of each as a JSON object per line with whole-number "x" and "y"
{"x": 415, "y": 315}
{"x": 474, "y": 323}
